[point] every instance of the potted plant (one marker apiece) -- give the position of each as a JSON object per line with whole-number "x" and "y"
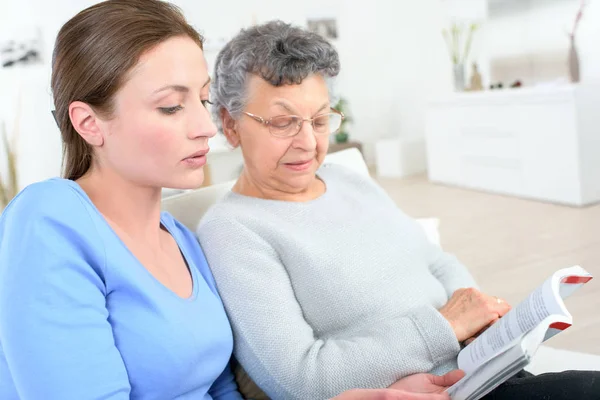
{"x": 454, "y": 41}
{"x": 342, "y": 134}
{"x": 8, "y": 186}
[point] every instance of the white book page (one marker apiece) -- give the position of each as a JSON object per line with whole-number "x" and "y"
{"x": 503, "y": 334}
{"x": 509, "y": 344}
{"x": 500, "y": 368}
{"x": 489, "y": 371}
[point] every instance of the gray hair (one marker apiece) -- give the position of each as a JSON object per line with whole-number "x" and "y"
{"x": 279, "y": 53}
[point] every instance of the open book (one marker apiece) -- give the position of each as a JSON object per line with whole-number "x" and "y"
{"x": 508, "y": 346}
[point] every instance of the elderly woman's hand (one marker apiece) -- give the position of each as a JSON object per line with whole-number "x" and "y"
{"x": 412, "y": 387}
{"x": 469, "y": 312}
{"x": 389, "y": 394}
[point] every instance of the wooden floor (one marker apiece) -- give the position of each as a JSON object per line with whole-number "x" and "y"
{"x": 512, "y": 245}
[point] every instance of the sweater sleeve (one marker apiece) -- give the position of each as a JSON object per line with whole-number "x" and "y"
{"x": 282, "y": 353}
{"x": 54, "y": 325}
{"x": 451, "y": 273}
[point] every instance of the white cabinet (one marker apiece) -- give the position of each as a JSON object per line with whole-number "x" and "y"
{"x": 534, "y": 143}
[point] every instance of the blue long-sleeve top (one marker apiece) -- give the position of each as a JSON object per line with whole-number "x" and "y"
{"x": 81, "y": 318}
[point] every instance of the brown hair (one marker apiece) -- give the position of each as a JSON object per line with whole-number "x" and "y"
{"x": 93, "y": 53}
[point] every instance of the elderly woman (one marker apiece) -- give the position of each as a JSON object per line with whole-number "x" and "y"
{"x": 327, "y": 283}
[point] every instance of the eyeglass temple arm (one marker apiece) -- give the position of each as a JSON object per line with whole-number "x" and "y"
{"x": 256, "y": 118}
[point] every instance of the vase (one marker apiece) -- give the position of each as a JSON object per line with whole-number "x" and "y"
{"x": 573, "y": 62}
{"x": 459, "y": 77}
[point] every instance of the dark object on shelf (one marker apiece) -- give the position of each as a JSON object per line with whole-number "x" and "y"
{"x": 341, "y": 137}
{"x": 516, "y": 84}
{"x": 334, "y": 147}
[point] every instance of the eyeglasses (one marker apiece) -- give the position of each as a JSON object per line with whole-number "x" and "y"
{"x": 290, "y": 125}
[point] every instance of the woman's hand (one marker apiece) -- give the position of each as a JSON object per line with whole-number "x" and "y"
{"x": 469, "y": 312}
{"x": 388, "y": 394}
{"x": 427, "y": 383}
{"x": 413, "y": 387}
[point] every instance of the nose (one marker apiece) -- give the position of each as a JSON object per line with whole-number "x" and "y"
{"x": 201, "y": 123}
{"x": 305, "y": 139}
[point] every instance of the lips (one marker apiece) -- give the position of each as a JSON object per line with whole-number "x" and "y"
{"x": 303, "y": 165}
{"x": 196, "y": 160}
{"x": 199, "y": 153}
{"x": 299, "y": 162}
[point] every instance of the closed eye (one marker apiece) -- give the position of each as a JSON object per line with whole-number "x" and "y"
{"x": 205, "y": 103}
{"x": 170, "y": 110}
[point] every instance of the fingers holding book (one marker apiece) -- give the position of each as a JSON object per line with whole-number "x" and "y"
{"x": 470, "y": 312}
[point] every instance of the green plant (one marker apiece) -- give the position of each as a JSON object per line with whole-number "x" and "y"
{"x": 9, "y": 187}
{"x": 342, "y": 134}
{"x": 454, "y": 39}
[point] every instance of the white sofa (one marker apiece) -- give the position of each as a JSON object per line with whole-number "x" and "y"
{"x": 189, "y": 207}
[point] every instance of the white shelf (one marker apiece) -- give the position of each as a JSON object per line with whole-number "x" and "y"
{"x": 497, "y": 96}
{"x": 537, "y": 144}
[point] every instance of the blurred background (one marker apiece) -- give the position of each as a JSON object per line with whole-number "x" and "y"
{"x": 395, "y": 60}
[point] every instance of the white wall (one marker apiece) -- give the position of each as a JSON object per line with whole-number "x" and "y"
{"x": 589, "y": 37}
{"x": 39, "y": 144}
{"x": 543, "y": 29}
{"x": 393, "y": 60}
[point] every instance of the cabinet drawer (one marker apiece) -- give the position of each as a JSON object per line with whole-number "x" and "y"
{"x": 551, "y": 166}
{"x": 490, "y": 142}
{"x": 520, "y": 144}
{"x": 496, "y": 175}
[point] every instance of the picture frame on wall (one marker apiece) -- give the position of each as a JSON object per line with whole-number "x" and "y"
{"x": 20, "y": 48}
{"x": 324, "y": 26}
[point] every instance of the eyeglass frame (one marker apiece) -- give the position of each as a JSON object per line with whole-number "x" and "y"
{"x": 267, "y": 122}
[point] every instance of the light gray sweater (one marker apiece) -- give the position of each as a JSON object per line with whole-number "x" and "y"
{"x": 336, "y": 293}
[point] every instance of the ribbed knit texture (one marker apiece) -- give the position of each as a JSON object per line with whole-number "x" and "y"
{"x": 336, "y": 293}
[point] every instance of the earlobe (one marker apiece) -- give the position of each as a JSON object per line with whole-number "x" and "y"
{"x": 85, "y": 122}
{"x": 229, "y": 129}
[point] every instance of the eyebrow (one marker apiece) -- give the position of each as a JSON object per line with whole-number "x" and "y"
{"x": 323, "y": 107}
{"x": 180, "y": 88}
{"x": 284, "y": 105}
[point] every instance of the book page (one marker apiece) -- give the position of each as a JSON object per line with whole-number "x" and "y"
{"x": 497, "y": 370}
{"x": 521, "y": 319}
{"x": 508, "y": 345}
